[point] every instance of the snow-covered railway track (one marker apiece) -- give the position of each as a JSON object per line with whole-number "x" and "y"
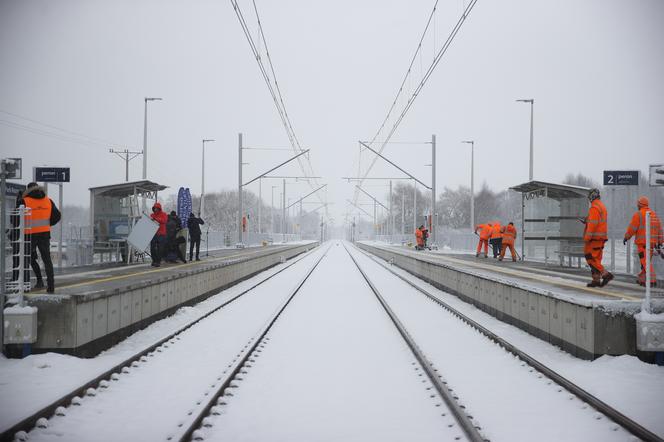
{"x": 464, "y": 419}
{"x": 40, "y": 427}
{"x": 555, "y": 382}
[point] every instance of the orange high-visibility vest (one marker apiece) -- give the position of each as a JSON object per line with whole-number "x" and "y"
{"x": 637, "y": 228}
{"x": 596, "y": 226}
{"x": 495, "y": 230}
{"x": 509, "y": 234}
{"x": 39, "y": 220}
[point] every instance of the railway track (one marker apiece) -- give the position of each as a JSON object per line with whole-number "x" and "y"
{"x": 39, "y": 419}
{"x": 605, "y": 409}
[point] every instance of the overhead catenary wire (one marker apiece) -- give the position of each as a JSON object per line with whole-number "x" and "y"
{"x": 438, "y": 56}
{"x": 271, "y": 82}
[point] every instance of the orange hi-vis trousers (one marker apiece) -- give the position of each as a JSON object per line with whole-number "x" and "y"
{"x": 486, "y": 246}
{"x": 504, "y": 249}
{"x": 593, "y": 251}
{"x": 642, "y": 258}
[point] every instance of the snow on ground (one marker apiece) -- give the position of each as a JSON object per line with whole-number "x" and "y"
{"x": 633, "y": 387}
{"x": 29, "y": 384}
{"x": 151, "y": 400}
{"x": 334, "y": 369}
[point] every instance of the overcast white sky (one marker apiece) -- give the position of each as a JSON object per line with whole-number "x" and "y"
{"x": 594, "y": 67}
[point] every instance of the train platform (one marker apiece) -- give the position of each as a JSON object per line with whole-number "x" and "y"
{"x": 547, "y": 301}
{"x": 96, "y": 307}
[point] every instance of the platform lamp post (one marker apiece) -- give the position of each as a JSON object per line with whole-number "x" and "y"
{"x": 202, "y": 205}
{"x": 472, "y": 183}
{"x": 145, "y": 136}
{"x": 532, "y": 103}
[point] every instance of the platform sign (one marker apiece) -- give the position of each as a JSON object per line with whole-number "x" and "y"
{"x": 51, "y": 174}
{"x": 656, "y": 175}
{"x": 621, "y": 177}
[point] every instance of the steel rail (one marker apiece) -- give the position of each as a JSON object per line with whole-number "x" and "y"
{"x": 464, "y": 421}
{"x": 628, "y": 424}
{"x": 29, "y": 422}
{"x": 205, "y": 411}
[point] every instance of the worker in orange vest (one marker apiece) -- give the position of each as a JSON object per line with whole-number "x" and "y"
{"x": 509, "y": 235}
{"x": 496, "y": 239}
{"x": 485, "y": 233}
{"x": 637, "y": 228}
{"x": 419, "y": 238}
{"x": 43, "y": 214}
{"x": 594, "y": 237}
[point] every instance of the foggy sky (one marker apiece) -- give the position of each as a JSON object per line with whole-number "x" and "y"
{"x": 594, "y": 68}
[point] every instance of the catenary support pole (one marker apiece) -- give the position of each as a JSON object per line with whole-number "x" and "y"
{"x": 433, "y": 189}
{"x": 239, "y": 190}
{"x": 260, "y": 202}
{"x": 646, "y": 301}
{"x": 532, "y": 104}
{"x": 472, "y": 187}
{"x": 283, "y": 211}
{"x": 390, "y": 223}
{"x": 3, "y": 248}
{"x": 414, "y": 207}
{"x": 403, "y": 211}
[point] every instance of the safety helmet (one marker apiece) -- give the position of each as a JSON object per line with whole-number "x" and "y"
{"x": 593, "y": 194}
{"x": 643, "y": 201}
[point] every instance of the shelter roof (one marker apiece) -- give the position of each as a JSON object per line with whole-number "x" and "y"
{"x": 554, "y": 190}
{"x": 124, "y": 190}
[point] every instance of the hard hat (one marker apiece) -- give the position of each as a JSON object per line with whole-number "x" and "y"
{"x": 593, "y": 194}
{"x": 643, "y": 201}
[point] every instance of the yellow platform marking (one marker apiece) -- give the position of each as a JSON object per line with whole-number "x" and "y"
{"x": 522, "y": 274}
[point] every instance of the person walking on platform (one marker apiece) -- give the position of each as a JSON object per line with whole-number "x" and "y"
{"x": 594, "y": 238}
{"x": 637, "y": 228}
{"x": 43, "y": 214}
{"x": 194, "y": 224}
{"x": 509, "y": 235}
{"x": 158, "y": 243}
{"x": 496, "y": 239}
{"x": 485, "y": 234}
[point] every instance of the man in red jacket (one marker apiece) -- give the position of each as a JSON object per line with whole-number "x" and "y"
{"x": 159, "y": 240}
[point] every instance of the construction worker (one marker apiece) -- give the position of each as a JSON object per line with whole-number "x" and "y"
{"x": 419, "y": 239}
{"x": 496, "y": 239}
{"x": 43, "y": 215}
{"x": 509, "y": 235}
{"x": 637, "y": 228}
{"x": 485, "y": 234}
{"x": 594, "y": 237}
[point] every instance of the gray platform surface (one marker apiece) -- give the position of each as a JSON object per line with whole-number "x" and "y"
{"x": 564, "y": 283}
{"x": 95, "y": 279}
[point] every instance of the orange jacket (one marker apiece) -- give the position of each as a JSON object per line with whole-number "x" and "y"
{"x": 495, "y": 230}
{"x": 485, "y": 230}
{"x": 509, "y": 234}
{"x": 40, "y": 215}
{"x": 637, "y": 228}
{"x": 596, "y": 226}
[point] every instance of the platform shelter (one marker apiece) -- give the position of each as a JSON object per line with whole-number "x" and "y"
{"x": 552, "y": 226}
{"x": 114, "y": 209}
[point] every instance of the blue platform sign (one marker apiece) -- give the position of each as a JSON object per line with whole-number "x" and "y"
{"x": 621, "y": 177}
{"x": 52, "y": 174}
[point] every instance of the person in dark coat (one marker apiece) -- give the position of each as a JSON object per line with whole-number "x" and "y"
{"x": 194, "y": 224}
{"x": 38, "y": 233}
{"x": 173, "y": 226}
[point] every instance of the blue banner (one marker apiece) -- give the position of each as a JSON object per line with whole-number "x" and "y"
{"x": 184, "y": 204}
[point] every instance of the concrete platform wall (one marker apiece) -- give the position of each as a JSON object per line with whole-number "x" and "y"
{"x": 84, "y": 325}
{"x": 586, "y": 332}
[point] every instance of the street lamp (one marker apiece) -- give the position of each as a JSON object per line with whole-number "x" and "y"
{"x": 472, "y": 183}
{"x": 532, "y": 102}
{"x": 145, "y": 136}
{"x": 202, "y": 206}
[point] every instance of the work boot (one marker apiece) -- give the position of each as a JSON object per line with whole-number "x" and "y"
{"x": 606, "y": 278}
{"x": 594, "y": 283}
{"x": 477, "y": 255}
{"x": 500, "y": 259}
{"x": 50, "y": 290}
{"x": 39, "y": 284}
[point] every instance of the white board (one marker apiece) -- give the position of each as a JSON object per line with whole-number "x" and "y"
{"x": 142, "y": 233}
